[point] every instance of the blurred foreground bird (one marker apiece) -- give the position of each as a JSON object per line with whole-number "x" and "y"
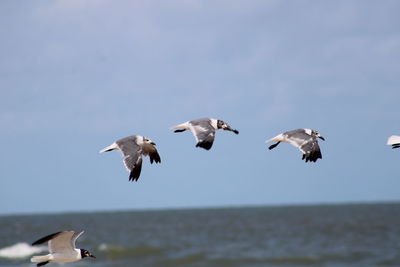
{"x": 61, "y": 248}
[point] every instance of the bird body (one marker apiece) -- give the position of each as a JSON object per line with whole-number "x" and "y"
{"x": 58, "y": 257}
{"x": 304, "y": 139}
{"x": 132, "y": 148}
{"x": 61, "y": 248}
{"x": 204, "y": 130}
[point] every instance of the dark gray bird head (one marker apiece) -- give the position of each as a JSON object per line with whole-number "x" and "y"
{"x": 224, "y": 126}
{"x": 316, "y": 134}
{"x": 85, "y": 253}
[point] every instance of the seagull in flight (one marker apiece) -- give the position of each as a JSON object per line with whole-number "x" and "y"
{"x": 394, "y": 141}
{"x": 304, "y": 139}
{"x": 61, "y": 248}
{"x": 204, "y": 130}
{"x": 132, "y": 148}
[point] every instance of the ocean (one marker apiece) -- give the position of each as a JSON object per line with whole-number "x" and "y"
{"x": 321, "y": 235}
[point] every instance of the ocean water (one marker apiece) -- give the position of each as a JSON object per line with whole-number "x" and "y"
{"x": 326, "y": 235}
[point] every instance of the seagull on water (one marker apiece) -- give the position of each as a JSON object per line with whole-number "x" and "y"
{"x": 204, "y": 130}
{"x": 132, "y": 148}
{"x": 304, "y": 139}
{"x": 394, "y": 141}
{"x": 61, "y": 248}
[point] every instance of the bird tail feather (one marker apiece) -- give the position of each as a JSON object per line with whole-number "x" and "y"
{"x": 394, "y": 139}
{"x": 41, "y": 258}
{"x": 277, "y": 138}
{"x": 109, "y": 148}
{"x": 180, "y": 126}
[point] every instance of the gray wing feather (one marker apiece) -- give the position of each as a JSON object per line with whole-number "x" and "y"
{"x": 204, "y": 122}
{"x": 75, "y": 237}
{"x": 132, "y": 161}
{"x": 297, "y": 137}
{"x": 311, "y": 151}
{"x": 63, "y": 242}
{"x": 206, "y": 135}
{"x": 203, "y": 130}
{"x": 45, "y": 239}
{"x": 130, "y": 150}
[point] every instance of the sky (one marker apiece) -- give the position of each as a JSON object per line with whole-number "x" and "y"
{"x": 76, "y": 75}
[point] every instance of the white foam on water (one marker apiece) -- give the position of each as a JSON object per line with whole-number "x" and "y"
{"x": 103, "y": 247}
{"x": 20, "y": 250}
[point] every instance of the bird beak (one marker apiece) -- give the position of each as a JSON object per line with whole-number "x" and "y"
{"x": 228, "y": 128}
{"x": 320, "y": 137}
{"x": 92, "y": 256}
{"x": 153, "y": 143}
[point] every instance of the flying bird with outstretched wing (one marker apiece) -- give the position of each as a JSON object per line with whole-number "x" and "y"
{"x": 204, "y": 130}
{"x": 133, "y": 148}
{"x": 304, "y": 139}
{"x": 61, "y": 247}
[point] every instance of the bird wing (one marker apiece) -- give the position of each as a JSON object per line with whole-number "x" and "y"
{"x": 297, "y": 137}
{"x": 203, "y": 131}
{"x": 64, "y": 242}
{"x": 132, "y": 156}
{"x": 131, "y": 151}
{"x": 151, "y": 151}
{"x": 75, "y": 237}
{"x": 311, "y": 150}
{"x": 45, "y": 239}
{"x": 154, "y": 156}
{"x": 136, "y": 169}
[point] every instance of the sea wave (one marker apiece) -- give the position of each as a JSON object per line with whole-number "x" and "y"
{"x": 115, "y": 251}
{"x": 163, "y": 257}
{"x": 20, "y": 250}
{"x": 267, "y": 261}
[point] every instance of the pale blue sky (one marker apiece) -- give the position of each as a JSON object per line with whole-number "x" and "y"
{"x": 77, "y": 75}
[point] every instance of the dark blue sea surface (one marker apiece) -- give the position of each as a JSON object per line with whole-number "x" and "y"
{"x": 325, "y": 235}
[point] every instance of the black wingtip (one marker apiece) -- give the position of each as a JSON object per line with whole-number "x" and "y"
{"x": 155, "y": 157}
{"x": 236, "y": 131}
{"x": 205, "y": 145}
{"x": 45, "y": 239}
{"x": 135, "y": 173}
{"x": 179, "y": 130}
{"x": 312, "y": 156}
{"x": 133, "y": 178}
